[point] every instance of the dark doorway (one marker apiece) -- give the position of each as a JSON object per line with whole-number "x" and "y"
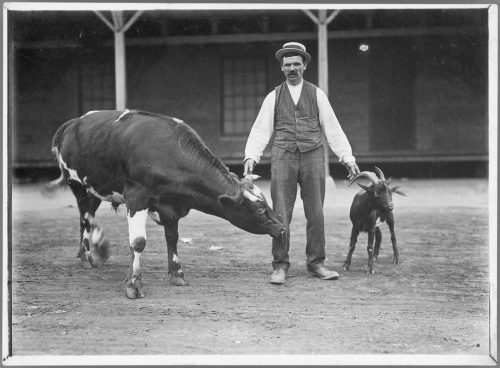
{"x": 392, "y": 76}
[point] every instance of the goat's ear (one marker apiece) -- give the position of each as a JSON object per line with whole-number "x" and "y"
{"x": 396, "y": 190}
{"x": 364, "y": 187}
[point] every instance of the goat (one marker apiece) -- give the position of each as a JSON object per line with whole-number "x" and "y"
{"x": 374, "y": 202}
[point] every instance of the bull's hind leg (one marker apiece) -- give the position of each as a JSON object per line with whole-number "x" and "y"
{"x": 174, "y": 266}
{"x": 93, "y": 247}
{"x": 137, "y": 238}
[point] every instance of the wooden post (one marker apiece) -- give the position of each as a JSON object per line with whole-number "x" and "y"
{"x": 322, "y": 22}
{"x": 120, "y": 70}
{"x": 119, "y": 28}
{"x": 323, "y": 75}
{"x": 120, "y": 64}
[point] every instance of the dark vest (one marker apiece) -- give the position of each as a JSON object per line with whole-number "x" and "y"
{"x": 297, "y": 126}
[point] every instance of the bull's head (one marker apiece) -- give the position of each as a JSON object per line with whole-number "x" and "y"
{"x": 380, "y": 190}
{"x": 248, "y": 210}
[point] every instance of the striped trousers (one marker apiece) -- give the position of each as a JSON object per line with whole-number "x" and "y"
{"x": 288, "y": 171}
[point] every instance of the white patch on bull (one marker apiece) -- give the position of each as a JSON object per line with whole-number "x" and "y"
{"x": 122, "y": 115}
{"x": 136, "y": 265}
{"x": 72, "y": 173}
{"x": 175, "y": 259}
{"x": 113, "y": 197}
{"x": 378, "y": 222}
{"x": 155, "y": 216}
{"x": 55, "y": 151}
{"x": 88, "y": 113}
{"x": 86, "y": 234}
{"x": 89, "y": 217}
{"x": 137, "y": 225}
{"x": 178, "y": 120}
{"x": 96, "y": 235}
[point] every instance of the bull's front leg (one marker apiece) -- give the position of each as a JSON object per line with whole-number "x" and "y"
{"x": 174, "y": 265}
{"x": 137, "y": 239}
{"x": 390, "y": 223}
{"x": 371, "y": 236}
{"x": 352, "y": 246}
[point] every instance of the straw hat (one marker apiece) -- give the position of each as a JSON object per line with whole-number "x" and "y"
{"x": 294, "y": 47}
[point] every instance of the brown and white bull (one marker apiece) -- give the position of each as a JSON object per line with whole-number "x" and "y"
{"x": 158, "y": 167}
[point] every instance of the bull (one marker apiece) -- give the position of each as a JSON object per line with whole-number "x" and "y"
{"x": 156, "y": 166}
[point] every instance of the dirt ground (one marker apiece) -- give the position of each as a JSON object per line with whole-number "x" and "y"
{"x": 436, "y": 301}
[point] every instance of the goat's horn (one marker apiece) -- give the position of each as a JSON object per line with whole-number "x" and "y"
{"x": 380, "y": 173}
{"x": 365, "y": 174}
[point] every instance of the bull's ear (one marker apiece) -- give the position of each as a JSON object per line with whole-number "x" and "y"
{"x": 227, "y": 201}
{"x": 364, "y": 187}
{"x": 396, "y": 190}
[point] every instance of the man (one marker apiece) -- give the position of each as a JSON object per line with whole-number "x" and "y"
{"x": 298, "y": 112}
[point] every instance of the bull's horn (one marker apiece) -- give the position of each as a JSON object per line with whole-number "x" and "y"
{"x": 252, "y": 177}
{"x": 380, "y": 173}
{"x": 365, "y": 174}
{"x": 250, "y": 196}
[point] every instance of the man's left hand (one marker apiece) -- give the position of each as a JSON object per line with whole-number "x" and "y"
{"x": 352, "y": 170}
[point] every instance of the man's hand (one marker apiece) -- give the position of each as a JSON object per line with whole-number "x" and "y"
{"x": 352, "y": 170}
{"x": 248, "y": 167}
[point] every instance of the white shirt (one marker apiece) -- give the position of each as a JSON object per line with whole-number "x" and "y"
{"x": 263, "y": 127}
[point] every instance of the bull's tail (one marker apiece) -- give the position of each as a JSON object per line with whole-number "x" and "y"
{"x": 53, "y": 185}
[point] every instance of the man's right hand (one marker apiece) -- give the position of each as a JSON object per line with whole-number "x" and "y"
{"x": 248, "y": 167}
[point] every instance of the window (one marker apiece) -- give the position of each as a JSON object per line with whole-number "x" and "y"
{"x": 97, "y": 87}
{"x": 244, "y": 84}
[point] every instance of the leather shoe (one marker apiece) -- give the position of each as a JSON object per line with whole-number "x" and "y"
{"x": 278, "y": 277}
{"x": 324, "y": 273}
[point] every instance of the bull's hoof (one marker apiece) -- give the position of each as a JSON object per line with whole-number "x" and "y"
{"x": 375, "y": 258}
{"x": 134, "y": 293}
{"x": 395, "y": 261}
{"x": 346, "y": 267}
{"x": 178, "y": 281}
{"x": 370, "y": 272}
{"x": 99, "y": 254}
{"x": 134, "y": 289}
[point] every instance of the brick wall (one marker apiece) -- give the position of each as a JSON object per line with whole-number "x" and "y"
{"x": 185, "y": 81}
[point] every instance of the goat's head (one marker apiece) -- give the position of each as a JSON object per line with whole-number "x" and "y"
{"x": 380, "y": 190}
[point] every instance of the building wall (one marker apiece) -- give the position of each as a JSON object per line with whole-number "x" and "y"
{"x": 449, "y": 89}
{"x": 45, "y": 94}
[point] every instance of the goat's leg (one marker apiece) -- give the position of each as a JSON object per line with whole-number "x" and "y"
{"x": 378, "y": 240}
{"x": 352, "y": 246}
{"x": 371, "y": 236}
{"x": 390, "y": 223}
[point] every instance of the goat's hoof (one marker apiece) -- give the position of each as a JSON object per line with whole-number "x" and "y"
{"x": 370, "y": 272}
{"x": 375, "y": 258}
{"x": 346, "y": 267}
{"x": 395, "y": 261}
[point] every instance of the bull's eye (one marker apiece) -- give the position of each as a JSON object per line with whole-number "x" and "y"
{"x": 261, "y": 211}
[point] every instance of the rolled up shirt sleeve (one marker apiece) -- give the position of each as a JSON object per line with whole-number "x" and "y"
{"x": 262, "y": 130}
{"x": 335, "y": 136}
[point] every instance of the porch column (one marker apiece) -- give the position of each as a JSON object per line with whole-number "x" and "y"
{"x": 119, "y": 28}
{"x": 322, "y": 21}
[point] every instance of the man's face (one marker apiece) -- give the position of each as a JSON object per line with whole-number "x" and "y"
{"x": 293, "y": 67}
